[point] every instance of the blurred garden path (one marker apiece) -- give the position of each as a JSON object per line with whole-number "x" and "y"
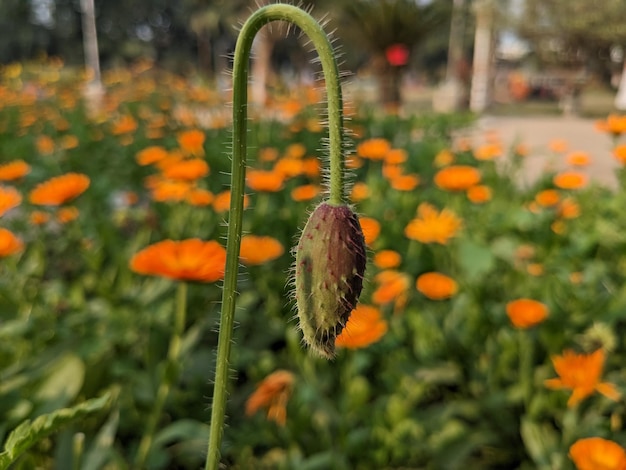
{"x": 537, "y": 132}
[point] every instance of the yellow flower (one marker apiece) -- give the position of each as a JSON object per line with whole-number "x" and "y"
{"x": 581, "y": 373}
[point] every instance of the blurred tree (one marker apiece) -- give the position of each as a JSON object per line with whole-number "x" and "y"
{"x": 389, "y": 31}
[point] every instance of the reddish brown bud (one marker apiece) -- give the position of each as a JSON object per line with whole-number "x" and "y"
{"x": 330, "y": 263}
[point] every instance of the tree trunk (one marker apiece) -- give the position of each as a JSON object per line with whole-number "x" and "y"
{"x": 483, "y": 42}
{"x": 620, "y": 98}
{"x": 261, "y": 66}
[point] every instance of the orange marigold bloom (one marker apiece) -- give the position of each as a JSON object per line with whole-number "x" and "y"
{"x": 457, "y": 177}
{"x": 199, "y": 197}
{"x": 67, "y": 214}
{"x": 392, "y": 286}
{"x": 44, "y": 144}
{"x": 221, "y": 203}
{"x": 436, "y": 286}
{"x": 387, "y": 259}
{"x": 9, "y": 243}
{"x": 396, "y": 156}
{"x": 268, "y": 154}
{"x": 525, "y": 313}
{"x": 479, "y": 194}
{"x": 305, "y": 192}
{"x": 186, "y": 260}
{"x": 296, "y": 150}
{"x": 371, "y": 229}
{"x": 432, "y": 226}
{"x": 39, "y": 217}
{"x": 619, "y": 152}
{"x": 595, "y": 453}
{"x": 581, "y": 373}
{"x": 14, "y": 170}
{"x": 192, "y": 142}
{"x": 558, "y": 145}
{"x": 150, "y": 155}
{"x": 578, "y": 159}
{"x": 548, "y": 197}
{"x": 164, "y": 190}
{"x": 124, "y": 125}
{"x": 272, "y": 393}
{"x": 191, "y": 169}
{"x": 404, "y": 182}
{"x": 365, "y": 326}
{"x": 257, "y": 250}
{"x": 568, "y": 209}
{"x": 360, "y": 191}
{"x": 9, "y": 198}
{"x": 373, "y": 149}
{"x": 614, "y": 124}
{"x": 264, "y": 181}
{"x": 488, "y": 151}
{"x": 69, "y": 142}
{"x": 288, "y": 167}
{"x": 353, "y": 162}
{"x": 444, "y": 158}
{"x": 59, "y": 190}
{"x": 570, "y": 180}
{"x": 535, "y": 269}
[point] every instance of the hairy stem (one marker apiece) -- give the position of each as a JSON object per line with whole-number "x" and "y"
{"x": 277, "y": 12}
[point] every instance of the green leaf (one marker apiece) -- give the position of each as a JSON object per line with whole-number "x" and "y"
{"x": 539, "y": 442}
{"x": 30, "y": 432}
{"x": 475, "y": 259}
{"x": 63, "y": 383}
{"x": 100, "y": 450}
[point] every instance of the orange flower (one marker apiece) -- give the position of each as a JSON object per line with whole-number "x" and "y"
{"x": 150, "y": 155}
{"x": 268, "y": 154}
{"x": 264, "y": 181}
{"x": 44, "y": 144}
{"x": 371, "y": 229}
{"x": 360, "y": 191}
{"x": 568, "y": 209}
{"x": 373, "y": 149}
{"x": 14, "y": 170}
{"x": 525, "y": 313}
{"x": 191, "y": 169}
{"x": 614, "y": 124}
{"x": 387, "y": 259}
{"x": 431, "y": 226}
{"x": 547, "y": 197}
{"x": 9, "y": 243}
{"x": 199, "y": 197}
{"x": 124, "y": 125}
{"x": 570, "y": 180}
{"x": 9, "y": 198}
{"x": 578, "y": 159}
{"x": 192, "y": 142}
{"x": 396, "y": 156}
{"x": 535, "y": 269}
{"x": 595, "y": 453}
{"x": 305, "y": 192}
{"x": 67, "y": 214}
{"x": 289, "y": 167}
{"x": 392, "y": 287}
{"x": 69, "y": 142}
{"x": 59, "y": 190}
{"x": 479, "y": 194}
{"x": 444, "y": 158}
{"x": 521, "y": 150}
{"x": 619, "y": 152}
{"x": 272, "y": 393}
{"x": 257, "y": 250}
{"x": 558, "y": 145}
{"x": 164, "y": 190}
{"x": 457, "y": 178}
{"x": 404, "y": 182}
{"x": 185, "y": 260}
{"x": 488, "y": 151}
{"x": 581, "y": 373}
{"x": 39, "y": 217}
{"x": 221, "y": 203}
{"x": 436, "y": 286}
{"x": 296, "y": 150}
{"x": 364, "y": 327}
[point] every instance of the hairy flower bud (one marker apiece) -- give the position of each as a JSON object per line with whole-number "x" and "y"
{"x": 330, "y": 263}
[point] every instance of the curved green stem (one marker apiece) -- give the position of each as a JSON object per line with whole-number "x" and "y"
{"x": 240, "y": 98}
{"x": 170, "y": 374}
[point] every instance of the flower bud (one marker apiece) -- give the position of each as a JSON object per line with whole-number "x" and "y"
{"x": 330, "y": 263}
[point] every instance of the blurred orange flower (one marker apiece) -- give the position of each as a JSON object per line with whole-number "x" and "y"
{"x": 305, "y": 192}
{"x": 67, "y": 214}
{"x": 257, "y": 250}
{"x": 444, "y": 158}
{"x": 124, "y": 125}
{"x": 9, "y": 243}
{"x": 264, "y": 181}
{"x": 387, "y": 259}
{"x": 14, "y": 170}
{"x": 186, "y": 260}
{"x": 547, "y": 197}
{"x": 360, "y": 191}
{"x": 568, "y": 209}
{"x": 570, "y": 180}
{"x": 396, "y": 156}
{"x": 525, "y": 313}
{"x": 272, "y": 393}
{"x": 373, "y": 149}
{"x": 365, "y": 326}
{"x": 479, "y": 194}
{"x": 392, "y": 287}
{"x": 150, "y": 155}
{"x": 436, "y": 286}
{"x": 614, "y": 124}
{"x": 221, "y": 203}
{"x": 39, "y": 217}
{"x": 578, "y": 158}
{"x": 9, "y": 199}
{"x": 59, "y": 190}
{"x": 619, "y": 152}
{"x": 192, "y": 142}
{"x": 371, "y": 229}
{"x": 44, "y": 144}
{"x": 432, "y": 226}
{"x": 404, "y": 182}
{"x": 199, "y": 197}
{"x": 488, "y": 151}
{"x": 190, "y": 169}
{"x": 596, "y": 453}
{"x": 457, "y": 177}
{"x": 581, "y": 373}
{"x": 296, "y": 150}
{"x": 558, "y": 145}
